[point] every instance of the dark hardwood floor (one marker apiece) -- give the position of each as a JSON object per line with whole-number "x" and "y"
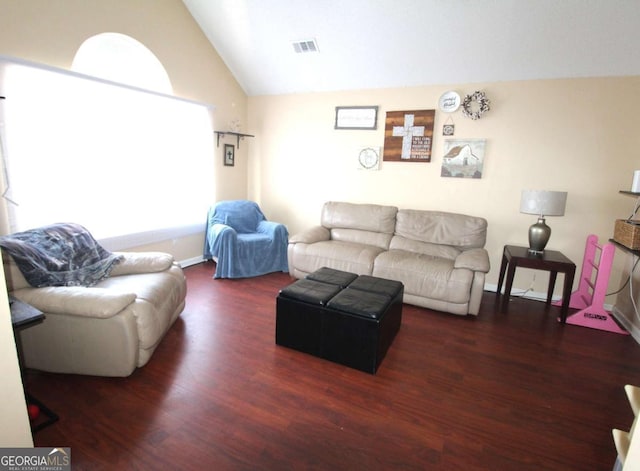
{"x": 503, "y": 391}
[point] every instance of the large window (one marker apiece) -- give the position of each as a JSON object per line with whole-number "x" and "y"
{"x": 118, "y": 160}
{"x": 120, "y": 58}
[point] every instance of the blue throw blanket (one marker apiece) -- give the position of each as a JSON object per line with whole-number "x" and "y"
{"x": 244, "y": 243}
{"x": 59, "y": 255}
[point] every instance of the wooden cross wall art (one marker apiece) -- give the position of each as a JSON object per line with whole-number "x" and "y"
{"x": 408, "y": 136}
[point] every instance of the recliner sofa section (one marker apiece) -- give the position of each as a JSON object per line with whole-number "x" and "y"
{"x": 109, "y": 329}
{"x": 438, "y": 256}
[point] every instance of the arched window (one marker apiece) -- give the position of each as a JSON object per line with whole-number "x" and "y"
{"x": 134, "y": 166}
{"x": 120, "y": 58}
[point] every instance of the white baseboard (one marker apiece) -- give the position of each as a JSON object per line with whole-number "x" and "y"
{"x": 517, "y": 292}
{"x": 190, "y": 261}
{"x": 533, "y": 295}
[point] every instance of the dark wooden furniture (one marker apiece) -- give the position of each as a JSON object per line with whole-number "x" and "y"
{"x": 23, "y": 316}
{"x": 550, "y": 260}
{"x": 624, "y": 248}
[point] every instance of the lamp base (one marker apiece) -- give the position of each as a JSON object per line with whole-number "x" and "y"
{"x": 539, "y": 234}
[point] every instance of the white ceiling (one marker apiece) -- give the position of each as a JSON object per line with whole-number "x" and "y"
{"x": 396, "y": 43}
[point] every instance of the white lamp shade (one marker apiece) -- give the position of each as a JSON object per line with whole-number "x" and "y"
{"x": 543, "y": 203}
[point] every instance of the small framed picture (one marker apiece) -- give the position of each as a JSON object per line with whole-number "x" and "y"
{"x": 356, "y": 117}
{"x": 229, "y": 155}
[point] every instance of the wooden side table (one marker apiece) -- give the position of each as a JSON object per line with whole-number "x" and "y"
{"x": 550, "y": 260}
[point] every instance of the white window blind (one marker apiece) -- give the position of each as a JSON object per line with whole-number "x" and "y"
{"x": 115, "y": 159}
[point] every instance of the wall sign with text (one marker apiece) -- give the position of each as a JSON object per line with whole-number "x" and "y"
{"x": 356, "y": 117}
{"x": 408, "y": 136}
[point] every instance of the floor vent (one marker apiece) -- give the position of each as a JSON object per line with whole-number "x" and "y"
{"x": 308, "y": 45}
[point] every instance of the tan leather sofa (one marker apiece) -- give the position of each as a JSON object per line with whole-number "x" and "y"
{"x": 438, "y": 256}
{"x": 105, "y": 330}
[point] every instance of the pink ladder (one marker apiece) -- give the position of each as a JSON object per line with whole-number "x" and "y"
{"x": 589, "y": 297}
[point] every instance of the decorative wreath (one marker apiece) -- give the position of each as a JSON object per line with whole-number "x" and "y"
{"x": 482, "y": 105}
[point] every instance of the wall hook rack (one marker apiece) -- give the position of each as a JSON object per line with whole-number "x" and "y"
{"x": 231, "y": 133}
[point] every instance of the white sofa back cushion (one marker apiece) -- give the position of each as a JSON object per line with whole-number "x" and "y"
{"x": 437, "y": 227}
{"x": 368, "y": 224}
{"x": 142, "y": 262}
{"x": 366, "y": 217}
{"x": 14, "y": 277}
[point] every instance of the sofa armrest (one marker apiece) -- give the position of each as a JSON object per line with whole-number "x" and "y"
{"x": 141, "y": 262}
{"x": 76, "y": 300}
{"x": 311, "y": 235}
{"x": 473, "y": 259}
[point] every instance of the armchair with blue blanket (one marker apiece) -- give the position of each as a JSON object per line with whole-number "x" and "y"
{"x": 243, "y": 242}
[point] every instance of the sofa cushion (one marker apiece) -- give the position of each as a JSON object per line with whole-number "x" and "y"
{"x": 346, "y": 256}
{"x": 425, "y": 275}
{"x": 425, "y": 248}
{"x": 356, "y": 236}
{"x": 437, "y": 227}
{"x": 366, "y": 217}
{"x": 76, "y": 300}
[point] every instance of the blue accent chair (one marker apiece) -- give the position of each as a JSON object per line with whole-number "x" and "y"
{"x": 242, "y": 242}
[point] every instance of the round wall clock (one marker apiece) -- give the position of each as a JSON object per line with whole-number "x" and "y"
{"x": 369, "y": 158}
{"x": 449, "y": 101}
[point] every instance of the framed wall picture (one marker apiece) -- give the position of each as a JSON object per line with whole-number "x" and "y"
{"x": 356, "y": 117}
{"x": 463, "y": 158}
{"x": 229, "y": 155}
{"x": 408, "y": 136}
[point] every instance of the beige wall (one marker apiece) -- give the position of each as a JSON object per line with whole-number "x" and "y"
{"x": 51, "y": 31}
{"x": 578, "y": 136}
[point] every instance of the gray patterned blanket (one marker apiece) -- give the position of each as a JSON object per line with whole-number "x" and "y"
{"x": 59, "y": 255}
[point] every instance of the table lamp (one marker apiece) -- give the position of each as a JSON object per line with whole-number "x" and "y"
{"x": 543, "y": 203}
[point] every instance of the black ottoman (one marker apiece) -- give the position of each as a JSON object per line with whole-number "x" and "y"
{"x": 333, "y": 277}
{"x": 299, "y": 310}
{"x": 348, "y": 322}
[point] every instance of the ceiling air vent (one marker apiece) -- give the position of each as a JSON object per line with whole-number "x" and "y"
{"x": 308, "y": 45}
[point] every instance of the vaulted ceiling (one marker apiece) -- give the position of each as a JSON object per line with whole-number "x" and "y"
{"x": 396, "y": 43}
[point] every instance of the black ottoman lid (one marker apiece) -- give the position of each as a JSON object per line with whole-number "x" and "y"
{"x": 360, "y": 303}
{"x": 332, "y": 276}
{"x": 377, "y": 285}
{"x": 313, "y": 292}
